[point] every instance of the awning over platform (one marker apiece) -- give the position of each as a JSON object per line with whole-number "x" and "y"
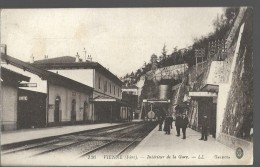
{"x": 203, "y": 94}
{"x": 210, "y": 88}
{"x": 101, "y": 99}
{"x": 156, "y": 101}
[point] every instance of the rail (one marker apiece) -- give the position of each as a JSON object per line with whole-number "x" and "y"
{"x": 147, "y": 130}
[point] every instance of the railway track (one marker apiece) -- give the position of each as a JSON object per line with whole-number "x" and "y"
{"x": 88, "y": 139}
{"x": 29, "y": 146}
{"x": 138, "y": 136}
{"x": 118, "y": 139}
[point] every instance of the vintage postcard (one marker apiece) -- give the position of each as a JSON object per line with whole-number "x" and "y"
{"x": 127, "y": 86}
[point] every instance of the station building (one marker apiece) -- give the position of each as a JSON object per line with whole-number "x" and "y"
{"x": 9, "y": 94}
{"x": 106, "y": 99}
{"x": 49, "y": 99}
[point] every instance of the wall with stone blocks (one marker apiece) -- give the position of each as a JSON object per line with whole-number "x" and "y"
{"x": 238, "y": 118}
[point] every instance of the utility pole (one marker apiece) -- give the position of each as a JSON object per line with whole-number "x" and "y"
{"x": 202, "y": 55}
{"x": 183, "y": 66}
{"x": 199, "y": 53}
{"x": 196, "y": 56}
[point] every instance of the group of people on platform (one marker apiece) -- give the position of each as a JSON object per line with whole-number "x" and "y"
{"x": 181, "y": 123}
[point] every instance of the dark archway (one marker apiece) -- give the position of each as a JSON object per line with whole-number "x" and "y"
{"x": 57, "y": 109}
{"x": 85, "y": 111}
{"x": 73, "y": 110}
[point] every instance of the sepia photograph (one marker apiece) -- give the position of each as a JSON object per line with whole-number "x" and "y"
{"x": 145, "y": 86}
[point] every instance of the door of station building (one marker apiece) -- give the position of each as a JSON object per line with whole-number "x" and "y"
{"x": 31, "y": 109}
{"x": 57, "y": 109}
{"x": 73, "y": 110}
{"x": 207, "y": 107}
{"x": 104, "y": 112}
{"x": 85, "y": 112}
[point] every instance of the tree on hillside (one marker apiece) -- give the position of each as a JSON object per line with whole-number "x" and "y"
{"x": 230, "y": 14}
{"x": 175, "y": 49}
{"x": 224, "y": 22}
{"x": 189, "y": 57}
{"x": 153, "y": 58}
{"x": 164, "y": 52}
{"x": 222, "y": 25}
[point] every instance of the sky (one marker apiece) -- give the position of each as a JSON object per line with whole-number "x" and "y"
{"x": 121, "y": 39}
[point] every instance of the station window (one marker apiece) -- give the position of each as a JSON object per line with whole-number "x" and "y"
{"x": 118, "y": 92}
{"x": 99, "y": 82}
{"x": 105, "y": 86}
{"x": 110, "y": 88}
{"x": 114, "y": 90}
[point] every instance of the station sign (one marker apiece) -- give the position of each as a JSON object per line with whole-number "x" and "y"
{"x": 28, "y": 85}
{"x": 137, "y": 111}
{"x": 22, "y": 98}
{"x": 203, "y": 94}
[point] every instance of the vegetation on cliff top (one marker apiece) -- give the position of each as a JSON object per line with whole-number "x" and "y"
{"x": 222, "y": 25}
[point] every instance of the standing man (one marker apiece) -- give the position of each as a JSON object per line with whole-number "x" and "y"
{"x": 171, "y": 120}
{"x": 167, "y": 123}
{"x": 185, "y": 123}
{"x": 160, "y": 120}
{"x": 178, "y": 124}
{"x": 204, "y": 131}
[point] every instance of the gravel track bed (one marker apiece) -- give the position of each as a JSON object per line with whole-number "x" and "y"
{"x": 93, "y": 139}
{"x": 111, "y": 149}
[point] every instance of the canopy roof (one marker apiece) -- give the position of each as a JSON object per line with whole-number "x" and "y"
{"x": 105, "y": 99}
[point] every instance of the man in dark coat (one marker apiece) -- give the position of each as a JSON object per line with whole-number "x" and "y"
{"x": 184, "y": 124}
{"x": 178, "y": 124}
{"x": 204, "y": 131}
{"x": 167, "y": 124}
{"x": 171, "y": 120}
{"x": 160, "y": 120}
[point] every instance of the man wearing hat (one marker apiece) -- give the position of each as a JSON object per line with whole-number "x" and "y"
{"x": 178, "y": 120}
{"x": 178, "y": 123}
{"x": 204, "y": 131}
{"x": 160, "y": 120}
{"x": 184, "y": 124}
{"x": 167, "y": 124}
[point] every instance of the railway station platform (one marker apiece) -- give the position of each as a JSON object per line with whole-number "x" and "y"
{"x": 162, "y": 149}
{"x": 12, "y": 137}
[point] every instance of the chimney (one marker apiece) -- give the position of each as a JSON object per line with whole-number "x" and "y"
{"x": 45, "y": 56}
{"x": 4, "y": 49}
{"x": 32, "y": 59}
{"x": 89, "y": 58}
{"x": 77, "y": 57}
{"x": 85, "y": 56}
